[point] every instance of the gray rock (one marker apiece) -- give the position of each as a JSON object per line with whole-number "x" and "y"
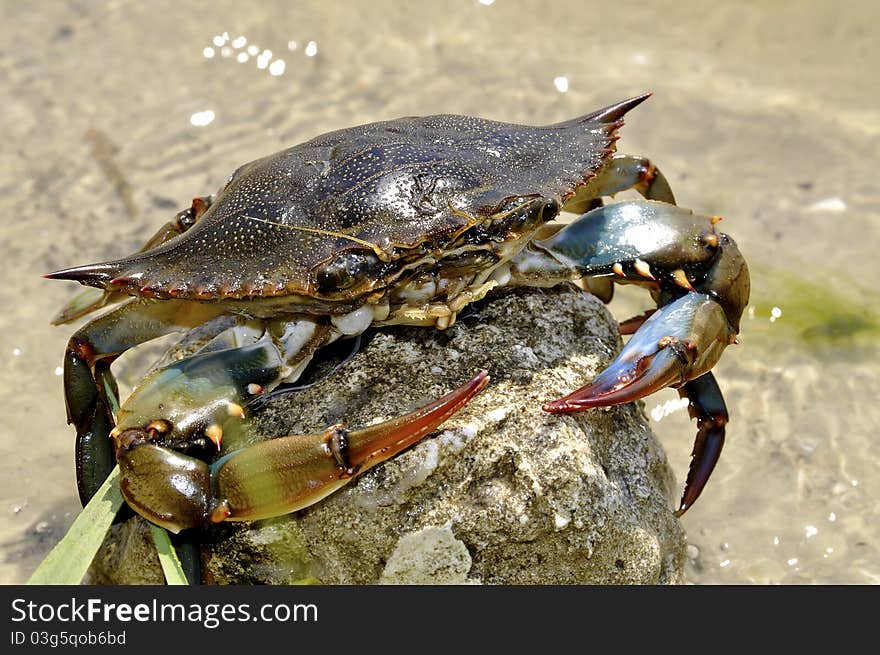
{"x": 433, "y": 555}
{"x": 127, "y": 557}
{"x": 503, "y": 493}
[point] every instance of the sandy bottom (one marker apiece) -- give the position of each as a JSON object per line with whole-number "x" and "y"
{"x": 115, "y": 116}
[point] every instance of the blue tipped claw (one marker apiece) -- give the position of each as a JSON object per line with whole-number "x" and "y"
{"x": 675, "y": 347}
{"x": 679, "y": 342}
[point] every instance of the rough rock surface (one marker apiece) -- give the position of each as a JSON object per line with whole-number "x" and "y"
{"x": 127, "y": 557}
{"x": 503, "y": 493}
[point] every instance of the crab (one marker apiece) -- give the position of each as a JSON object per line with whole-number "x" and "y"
{"x": 404, "y": 222}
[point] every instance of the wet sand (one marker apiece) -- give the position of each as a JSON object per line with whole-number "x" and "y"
{"x": 116, "y": 115}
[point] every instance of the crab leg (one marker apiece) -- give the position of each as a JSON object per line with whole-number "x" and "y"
{"x": 187, "y": 399}
{"x": 623, "y": 172}
{"x": 272, "y": 478}
{"x": 701, "y": 284}
{"x": 188, "y": 405}
{"x": 181, "y": 222}
{"x": 87, "y": 376}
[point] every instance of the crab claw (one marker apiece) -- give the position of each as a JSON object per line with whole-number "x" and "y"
{"x": 289, "y": 473}
{"x": 274, "y": 477}
{"x": 675, "y": 347}
{"x": 679, "y": 342}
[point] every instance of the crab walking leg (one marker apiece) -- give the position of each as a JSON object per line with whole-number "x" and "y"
{"x": 272, "y": 478}
{"x": 181, "y": 222}
{"x": 90, "y": 300}
{"x": 630, "y": 325}
{"x": 87, "y": 375}
{"x": 701, "y": 283}
{"x": 84, "y": 303}
{"x": 621, "y": 173}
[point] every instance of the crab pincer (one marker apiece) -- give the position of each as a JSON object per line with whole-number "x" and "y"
{"x": 702, "y": 285}
{"x": 679, "y": 342}
{"x": 274, "y": 477}
{"x": 669, "y": 351}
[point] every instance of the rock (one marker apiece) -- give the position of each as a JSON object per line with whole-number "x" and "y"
{"x": 432, "y": 555}
{"x": 127, "y": 557}
{"x": 503, "y": 493}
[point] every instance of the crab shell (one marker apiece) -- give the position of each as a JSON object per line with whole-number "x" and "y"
{"x": 323, "y": 225}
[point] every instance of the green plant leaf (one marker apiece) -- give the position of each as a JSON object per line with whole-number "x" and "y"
{"x": 68, "y": 561}
{"x": 171, "y": 567}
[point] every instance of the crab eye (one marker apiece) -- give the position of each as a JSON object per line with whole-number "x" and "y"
{"x": 345, "y": 271}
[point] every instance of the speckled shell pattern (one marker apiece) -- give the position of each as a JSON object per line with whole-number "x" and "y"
{"x": 386, "y": 187}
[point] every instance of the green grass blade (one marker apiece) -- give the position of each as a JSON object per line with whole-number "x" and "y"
{"x": 171, "y": 567}
{"x": 111, "y": 398}
{"x": 68, "y": 561}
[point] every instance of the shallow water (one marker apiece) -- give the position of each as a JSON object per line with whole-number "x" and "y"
{"x": 116, "y": 114}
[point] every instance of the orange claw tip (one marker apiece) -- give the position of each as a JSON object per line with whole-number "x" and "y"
{"x": 220, "y": 513}
{"x": 234, "y": 410}
{"x": 644, "y": 269}
{"x": 426, "y": 418}
{"x": 622, "y": 382}
{"x": 215, "y": 433}
{"x": 681, "y": 279}
{"x": 371, "y": 445}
